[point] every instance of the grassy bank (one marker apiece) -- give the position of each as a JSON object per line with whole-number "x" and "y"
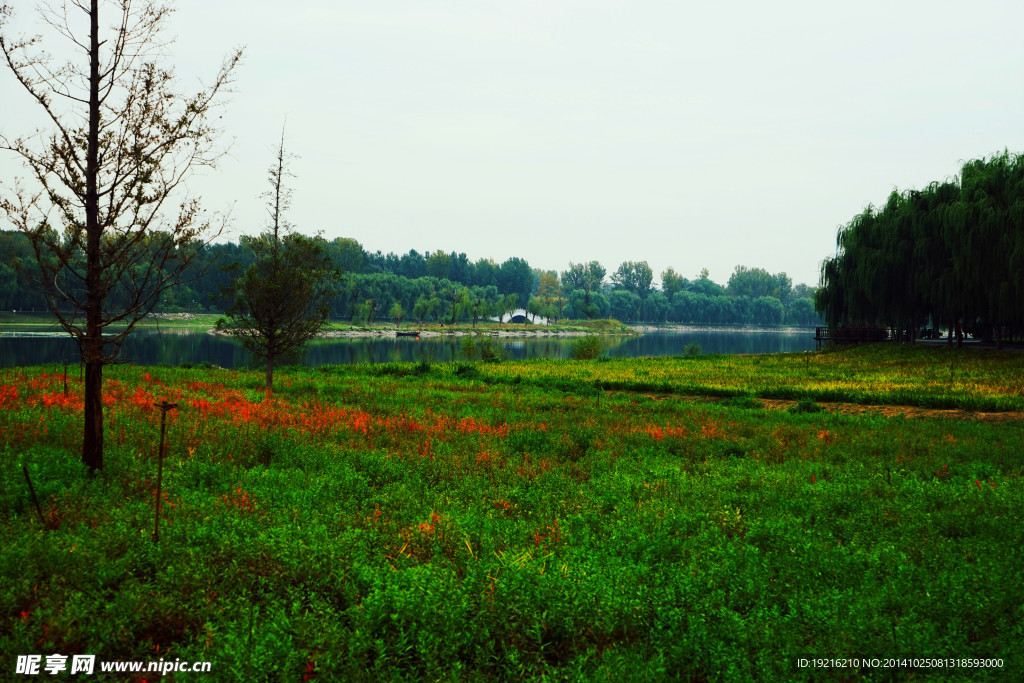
{"x": 453, "y": 522}
{"x": 881, "y": 374}
{"x": 40, "y": 321}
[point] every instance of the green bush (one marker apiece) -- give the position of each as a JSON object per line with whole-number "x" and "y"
{"x": 587, "y": 348}
{"x": 490, "y": 351}
{"x": 467, "y": 371}
{"x": 806, "y": 405}
{"x": 484, "y": 348}
{"x": 743, "y": 402}
{"x": 467, "y": 347}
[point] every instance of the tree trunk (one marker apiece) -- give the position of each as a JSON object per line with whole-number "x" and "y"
{"x": 270, "y": 373}
{"x": 92, "y": 444}
{"x": 92, "y": 344}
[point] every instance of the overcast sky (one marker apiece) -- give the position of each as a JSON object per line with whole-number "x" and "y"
{"x": 684, "y": 134}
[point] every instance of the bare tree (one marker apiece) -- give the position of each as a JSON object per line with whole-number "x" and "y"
{"x": 284, "y": 298}
{"x": 108, "y": 219}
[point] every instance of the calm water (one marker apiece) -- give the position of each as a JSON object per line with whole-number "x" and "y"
{"x": 182, "y": 346}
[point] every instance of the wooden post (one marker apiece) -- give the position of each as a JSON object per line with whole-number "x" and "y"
{"x": 164, "y": 406}
{"x": 34, "y": 499}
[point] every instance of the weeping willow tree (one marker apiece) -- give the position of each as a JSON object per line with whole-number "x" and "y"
{"x": 951, "y": 254}
{"x": 935, "y": 277}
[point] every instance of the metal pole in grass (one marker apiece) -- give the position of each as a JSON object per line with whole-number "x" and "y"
{"x": 164, "y": 407}
{"x": 34, "y": 499}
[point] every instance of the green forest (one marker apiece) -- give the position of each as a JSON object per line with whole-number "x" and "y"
{"x": 439, "y": 286}
{"x": 947, "y": 257}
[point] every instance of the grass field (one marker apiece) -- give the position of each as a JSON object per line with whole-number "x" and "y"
{"x": 520, "y": 521}
{"x": 882, "y": 374}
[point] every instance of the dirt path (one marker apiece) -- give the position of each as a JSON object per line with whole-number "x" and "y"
{"x": 912, "y": 412}
{"x": 896, "y": 411}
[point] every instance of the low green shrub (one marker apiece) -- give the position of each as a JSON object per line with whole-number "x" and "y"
{"x": 806, "y": 405}
{"x": 587, "y": 348}
{"x": 742, "y": 402}
{"x": 490, "y": 350}
{"x": 467, "y": 371}
{"x": 467, "y": 348}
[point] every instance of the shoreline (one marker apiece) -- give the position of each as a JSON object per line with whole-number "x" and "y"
{"x": 535, "y": 333}
{"x": 677, "y": 328}
{"x": 508, "y": 333}
{"x": 434, "y": 334}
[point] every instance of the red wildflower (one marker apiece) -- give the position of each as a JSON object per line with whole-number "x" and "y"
{"x": 8, "y": 395}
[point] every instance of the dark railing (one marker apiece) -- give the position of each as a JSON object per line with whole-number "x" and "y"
{"x": 850, "y": 335}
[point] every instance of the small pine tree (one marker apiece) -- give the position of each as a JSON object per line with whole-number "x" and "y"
{"x": 283, "y": 299}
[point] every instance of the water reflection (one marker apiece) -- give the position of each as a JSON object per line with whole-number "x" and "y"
{"x": 187, "y": 346}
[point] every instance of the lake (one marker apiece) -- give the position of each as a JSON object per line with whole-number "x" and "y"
{"x": 176, "y": 346}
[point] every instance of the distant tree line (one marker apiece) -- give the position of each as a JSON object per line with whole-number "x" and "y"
{"x": 446, "y": 287}
{"x": 950, "y": 256}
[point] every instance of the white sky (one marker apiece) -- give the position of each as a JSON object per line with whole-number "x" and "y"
{"x": 685, "y": 134}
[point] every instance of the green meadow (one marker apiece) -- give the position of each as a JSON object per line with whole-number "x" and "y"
{"x": 643, "y": 519}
